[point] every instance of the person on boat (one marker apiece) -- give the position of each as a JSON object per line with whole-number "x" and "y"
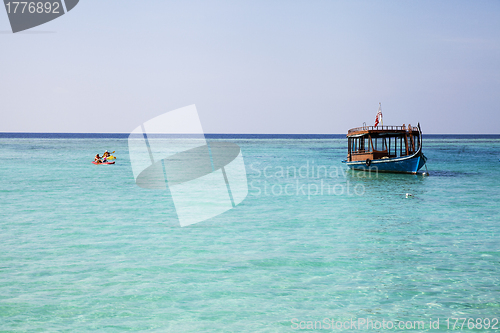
{"x": 97, "y": 159}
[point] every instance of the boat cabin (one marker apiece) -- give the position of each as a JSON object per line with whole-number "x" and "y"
{"x": 382, "y": 142}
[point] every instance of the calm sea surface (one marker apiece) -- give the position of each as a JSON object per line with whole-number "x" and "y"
{"x": 82, "y": 248}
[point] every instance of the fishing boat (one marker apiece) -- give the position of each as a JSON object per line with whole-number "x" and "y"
{"x": 385, "y": 148}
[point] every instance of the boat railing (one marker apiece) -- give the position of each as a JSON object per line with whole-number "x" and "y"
{"x": 384, "y": 128}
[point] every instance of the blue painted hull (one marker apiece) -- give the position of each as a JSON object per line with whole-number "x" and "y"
{"x": 410, "y": 164}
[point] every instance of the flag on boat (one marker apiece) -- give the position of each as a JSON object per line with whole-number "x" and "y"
{"x": 378, "y": 118}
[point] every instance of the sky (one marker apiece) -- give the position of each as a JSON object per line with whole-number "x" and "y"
{"x": 260, "y": 66}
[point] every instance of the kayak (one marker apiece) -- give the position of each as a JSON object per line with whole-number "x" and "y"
{"x": 94, "y": 162}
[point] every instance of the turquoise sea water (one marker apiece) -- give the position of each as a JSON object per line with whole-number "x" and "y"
{"x": 82, "y": 248}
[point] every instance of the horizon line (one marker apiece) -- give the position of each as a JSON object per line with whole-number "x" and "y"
{"x": 127, "y": 133}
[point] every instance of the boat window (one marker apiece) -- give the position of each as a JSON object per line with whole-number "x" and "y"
{"x": 400, "y": 145}
{"x": 367, "y": 144}
{"x": 380, "y": 143}
{"x": 394, "y": 146}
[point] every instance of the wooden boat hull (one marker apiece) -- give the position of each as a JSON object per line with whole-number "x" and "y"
{"x": 405, "y": 164}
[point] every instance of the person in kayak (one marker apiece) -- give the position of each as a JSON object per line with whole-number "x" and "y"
{"x": 106, "y": 155}
{"x": 97, "y": 159}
